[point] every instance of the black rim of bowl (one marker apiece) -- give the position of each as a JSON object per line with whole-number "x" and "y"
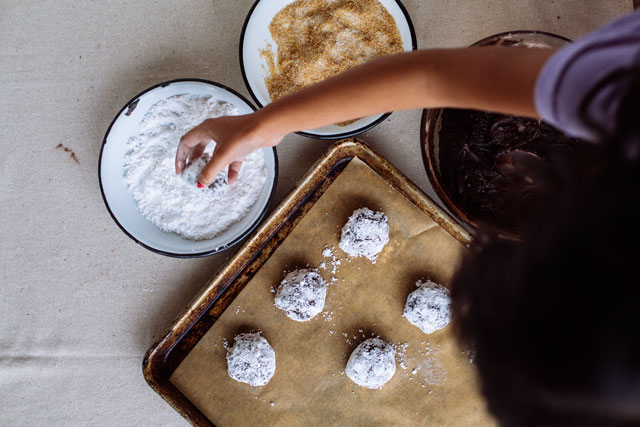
{"x": 516, "y": 32}
{"x": 132, "y": 103}
{"x": 414, "y": 46}
{"x": 459, "y": 213}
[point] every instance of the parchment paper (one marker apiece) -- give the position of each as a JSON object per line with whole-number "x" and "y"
{"x": 438, "y": 386}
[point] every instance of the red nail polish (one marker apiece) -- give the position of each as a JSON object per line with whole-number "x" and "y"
{"x": 200, "y": 185}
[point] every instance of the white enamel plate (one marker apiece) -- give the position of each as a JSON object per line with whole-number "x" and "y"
{"x": 121, "y": 204}
{"x": 255, "y": 37}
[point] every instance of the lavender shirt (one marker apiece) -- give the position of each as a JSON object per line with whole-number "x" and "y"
{"x": 580, "y": 69}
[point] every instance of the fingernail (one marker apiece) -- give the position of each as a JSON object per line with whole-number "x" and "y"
{"x": 200, "y": 185}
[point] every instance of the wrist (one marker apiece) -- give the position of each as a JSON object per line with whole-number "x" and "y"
{"x": 267, "y": 127}
{"x": 270, "y": 125}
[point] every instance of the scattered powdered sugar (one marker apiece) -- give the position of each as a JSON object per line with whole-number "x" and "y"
{"x": 328, "y": 315}
{"x": 173, "y": 202}
{"x": 421, "y": 364}
{"x": 428, "y": 307}
{"x": 365, "y": 234}
{"x": 334, "y": 263}
{"x": 251, "y": 360}
{"x": 371, "y": 364}
{"x": 301, "y": 294}
{"x": 334, "y": 267}
{"x": 432, "y": 372}
{"x": 400, "y": 350}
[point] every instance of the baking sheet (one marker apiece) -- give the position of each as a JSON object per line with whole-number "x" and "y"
{"x": 309, "y": 387}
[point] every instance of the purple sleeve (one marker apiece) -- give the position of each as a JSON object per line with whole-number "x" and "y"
{"x": 583, "y": 83}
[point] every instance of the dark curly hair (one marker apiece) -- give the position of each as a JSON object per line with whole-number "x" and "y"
{"x": 554, "y": 319}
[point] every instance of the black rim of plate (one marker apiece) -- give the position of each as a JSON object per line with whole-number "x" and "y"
{"x": 132, "y": 102}
{"x": 414, "y": 46}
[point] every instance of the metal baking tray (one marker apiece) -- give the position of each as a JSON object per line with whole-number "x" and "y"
{"x": 166, "y": 354}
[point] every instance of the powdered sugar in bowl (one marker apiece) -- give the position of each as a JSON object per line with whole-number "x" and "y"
{"x": 132, "y": 195}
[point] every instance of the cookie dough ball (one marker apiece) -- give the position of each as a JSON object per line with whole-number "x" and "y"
{"x": 428, "y": 307}
{"x": 251, "y": 360}
{"x": 365, "y": 234}
{"x": 301, "y": 295}
{"x": 220, "y": 185}
{"x": 371, "y": 364}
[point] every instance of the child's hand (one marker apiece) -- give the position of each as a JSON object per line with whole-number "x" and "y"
{"x": 235, "y": 137}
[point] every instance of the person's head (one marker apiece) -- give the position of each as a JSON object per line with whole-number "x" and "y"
{"x": 555, "y": 319}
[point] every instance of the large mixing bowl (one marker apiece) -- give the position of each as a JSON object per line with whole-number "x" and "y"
{"x": 432, "y": 124}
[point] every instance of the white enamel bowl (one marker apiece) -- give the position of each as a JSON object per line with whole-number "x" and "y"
{"x": 121, "y": 204}
{"x": 255, "y": 37}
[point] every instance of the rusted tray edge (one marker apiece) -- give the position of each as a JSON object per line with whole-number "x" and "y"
{"x": 154, "y": 362}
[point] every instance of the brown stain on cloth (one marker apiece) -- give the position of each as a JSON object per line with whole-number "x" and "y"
{"x": 68, "y": 150}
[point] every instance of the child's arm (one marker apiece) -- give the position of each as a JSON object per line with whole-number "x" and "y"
{"x": 485, "y": 78}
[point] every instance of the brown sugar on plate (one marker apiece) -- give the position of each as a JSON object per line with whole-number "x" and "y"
{"x": 317, "y": 39}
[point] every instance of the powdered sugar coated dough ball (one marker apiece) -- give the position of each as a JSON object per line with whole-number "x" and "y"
{"x": 301, "y": 295}
{"x": 251, "y": 360}
{"x": 371, "y": 364}
{"x": 365, "y": 234}
{"x": 428, "y": 307}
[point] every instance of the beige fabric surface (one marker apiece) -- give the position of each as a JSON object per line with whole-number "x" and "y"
{"x": 79, "y": 301}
